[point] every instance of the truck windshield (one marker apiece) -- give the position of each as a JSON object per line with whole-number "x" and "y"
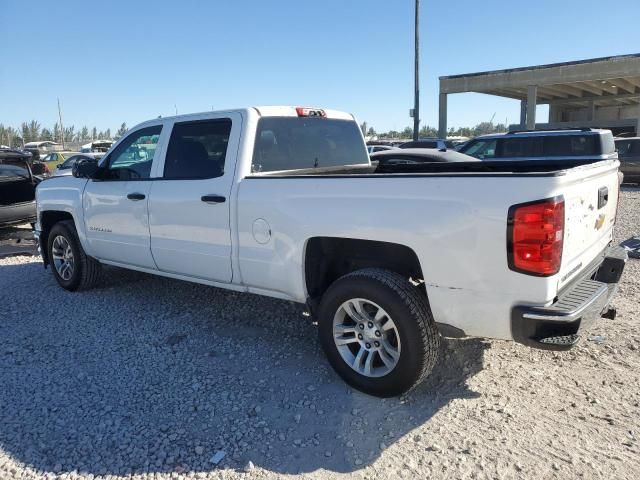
{"x": 292, "y": 143}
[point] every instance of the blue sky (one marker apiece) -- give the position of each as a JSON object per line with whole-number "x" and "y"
{"x": 128, "y": 61}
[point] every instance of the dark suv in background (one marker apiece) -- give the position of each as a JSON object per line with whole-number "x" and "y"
{"x": 542, "y": 145}
{"x": 629, "y": 154}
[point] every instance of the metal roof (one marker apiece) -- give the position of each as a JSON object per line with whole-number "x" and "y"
{"x": 605, "y": 81}
{"x": 548, "y": 65}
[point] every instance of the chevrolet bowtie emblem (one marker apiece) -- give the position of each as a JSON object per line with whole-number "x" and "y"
{"x": 600, "y": 221}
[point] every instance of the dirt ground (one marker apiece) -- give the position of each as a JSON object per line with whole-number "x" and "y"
{"x": 147, "y": 377}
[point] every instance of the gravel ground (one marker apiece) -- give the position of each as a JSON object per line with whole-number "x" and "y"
{"x": 147, "y": 377}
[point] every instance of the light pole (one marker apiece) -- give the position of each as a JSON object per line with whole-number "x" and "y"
{"x": 61, "y": 125}
{"x": 416, "y": 93}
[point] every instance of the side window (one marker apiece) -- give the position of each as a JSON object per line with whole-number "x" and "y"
{"x": 623, "y": 147}
{"x": 482, "y": 149}
{"x": 519, "y": 147}
{"x": 68, "y": 163}
{"x": 571, "y": 145}
{"x": 197, "y": 150}
{"x": 132, "y": 159}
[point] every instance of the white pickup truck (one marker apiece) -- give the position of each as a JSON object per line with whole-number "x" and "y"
{"x": 284, "y": 202}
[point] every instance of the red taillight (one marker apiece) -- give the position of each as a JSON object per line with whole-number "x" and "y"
{"x": 535, "y": 236}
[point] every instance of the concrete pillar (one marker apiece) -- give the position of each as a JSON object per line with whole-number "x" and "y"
{"x": 591, "y": 112}
{"x": 532, "y": 95}
{"x": 523, "y": 114}
{"x": 442, "y": 120}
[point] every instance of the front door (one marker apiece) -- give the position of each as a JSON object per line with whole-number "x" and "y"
{"x": 116, "y": 203}
{"x": 189, "y": 208}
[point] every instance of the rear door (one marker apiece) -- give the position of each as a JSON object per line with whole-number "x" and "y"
{"x": 189, "y": 210}
{"x": 116, "y": 204}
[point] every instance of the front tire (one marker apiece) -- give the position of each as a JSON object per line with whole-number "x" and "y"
{"x": 377, "y": 331}
{"x": 72, "y": 268}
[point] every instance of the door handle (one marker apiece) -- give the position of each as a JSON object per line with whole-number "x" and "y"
{"x": 136, "y": 196}
{"x": 213, "y": 199}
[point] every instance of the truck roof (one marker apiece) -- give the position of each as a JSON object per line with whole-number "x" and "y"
{"x": 263, "y": 111}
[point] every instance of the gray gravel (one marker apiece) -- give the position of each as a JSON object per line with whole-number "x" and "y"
{"x": 147, "y": 377}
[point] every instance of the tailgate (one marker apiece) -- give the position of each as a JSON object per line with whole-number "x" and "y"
{"x": 591, "y": 201}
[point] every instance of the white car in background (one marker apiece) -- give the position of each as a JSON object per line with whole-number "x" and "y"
{"x": 380, "y": 148}
{"x": 97, "y": 146}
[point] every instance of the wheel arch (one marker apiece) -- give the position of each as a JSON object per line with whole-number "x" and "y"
{"x": 48, "y": 219}
{"x": 328, "y": 258}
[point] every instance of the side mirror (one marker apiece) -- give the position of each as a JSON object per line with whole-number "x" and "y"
{"x": 85, "y": 169}
{"x": 58, "y": 165}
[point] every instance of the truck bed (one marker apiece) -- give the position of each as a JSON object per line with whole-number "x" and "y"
{"x": 454, "y": 216}
{"x": 530, "y": 167}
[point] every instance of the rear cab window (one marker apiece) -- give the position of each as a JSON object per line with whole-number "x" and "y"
{"x": 295, "y": 143}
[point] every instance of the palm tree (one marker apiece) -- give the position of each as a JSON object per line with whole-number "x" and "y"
{"x": 34, "y": 130}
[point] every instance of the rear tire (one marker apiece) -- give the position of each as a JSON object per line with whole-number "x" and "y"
{"x": 377, "y": 331}
{"x": 72, "y": 268}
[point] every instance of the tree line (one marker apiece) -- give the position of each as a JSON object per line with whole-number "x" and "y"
{"x": 33, "y": 131}
{"x": 426, "y": 131}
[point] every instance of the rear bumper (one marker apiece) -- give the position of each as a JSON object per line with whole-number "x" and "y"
{"x": 560, "y": 325}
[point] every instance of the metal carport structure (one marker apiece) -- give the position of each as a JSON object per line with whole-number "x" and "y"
{"x": 600, "y": 92}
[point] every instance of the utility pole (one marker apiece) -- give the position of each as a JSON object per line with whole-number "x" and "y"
{"x": 416, "y": 98}
{"x": 61, "y": 125}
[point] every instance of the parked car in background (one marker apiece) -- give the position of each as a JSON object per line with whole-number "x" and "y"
{"x": 458, "y": 140}
{"x": 66, "y": 167}
{"x": 52, "y": 160}
{"x": 543, "y": 145}
{"x": 629, "y": 154}
{"x": 437, "y": 143}
{"x": 418, "y": 155}
{"x": 17, "y": 188}
{"x": 43, "y": 147}
{"x": 284, "y": 202}
{"x": 97, "y": 146}
{"x": 36, "y": 167}
{"x": 379, "y": 148}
